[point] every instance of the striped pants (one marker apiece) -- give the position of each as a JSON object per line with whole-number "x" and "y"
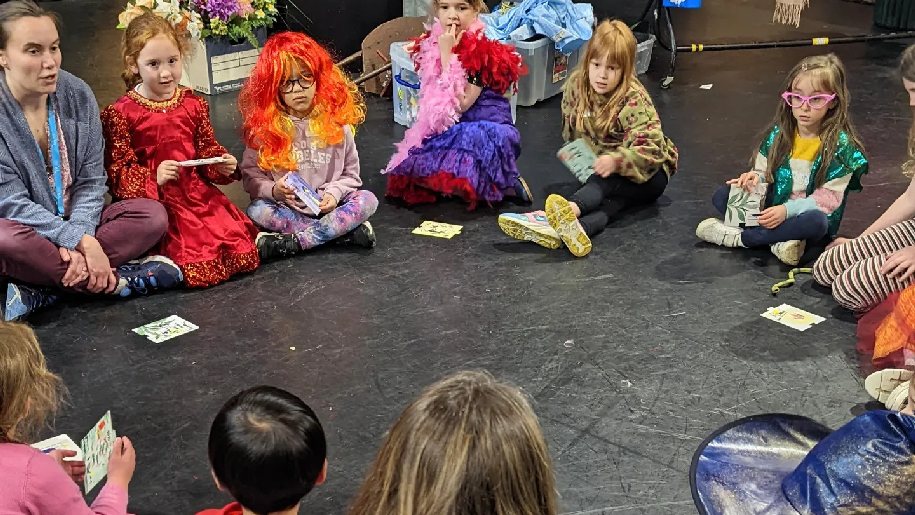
{"x": 853, "y": 269}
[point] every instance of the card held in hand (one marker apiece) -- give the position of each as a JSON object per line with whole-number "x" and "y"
{"x": 578, "y": 157}
{"x": 744, "y": 206}
{"x": 304, "y": 191}
{"x": 60, "y": 443}
{"x": 97, "y": 446}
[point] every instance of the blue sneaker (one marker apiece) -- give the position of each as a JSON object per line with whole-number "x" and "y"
{"x": 22, "y": 300}
{"x": 523, "y": 192}
{"x": 147, "y": 275}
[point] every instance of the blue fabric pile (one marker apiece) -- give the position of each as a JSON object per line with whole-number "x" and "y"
{"x": 569, "y": 25}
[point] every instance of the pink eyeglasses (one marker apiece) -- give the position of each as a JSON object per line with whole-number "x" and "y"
{"x": 815, "y": 102}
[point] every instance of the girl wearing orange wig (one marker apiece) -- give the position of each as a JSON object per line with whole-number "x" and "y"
{"x": 299, "y": 111}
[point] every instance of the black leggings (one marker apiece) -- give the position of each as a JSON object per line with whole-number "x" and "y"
{"x": 600, "y": 199}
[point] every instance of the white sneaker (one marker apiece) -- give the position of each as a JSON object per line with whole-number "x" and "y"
{"x": 714, "y": 231}
{"x": 789, "y": 252}
{"x": 881, "y": 384}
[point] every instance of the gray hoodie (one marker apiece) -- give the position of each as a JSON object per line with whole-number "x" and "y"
{"x": 25, "y": 194}
{"x": 333, "y": 169}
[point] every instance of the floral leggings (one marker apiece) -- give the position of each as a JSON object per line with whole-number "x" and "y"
{"x": 311, "y": 231}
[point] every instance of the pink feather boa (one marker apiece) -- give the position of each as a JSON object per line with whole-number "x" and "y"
{"x": 440, "y": 93}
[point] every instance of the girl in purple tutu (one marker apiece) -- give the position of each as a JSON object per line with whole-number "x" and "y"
{"x": 463, "y": 143}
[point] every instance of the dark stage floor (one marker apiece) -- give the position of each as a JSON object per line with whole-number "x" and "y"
{"x": 632, "y": 355}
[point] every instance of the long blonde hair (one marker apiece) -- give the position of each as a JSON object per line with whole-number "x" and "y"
{"x": 827, "y": 74}
{"x": 614, "y": 40}
{"x": 907, "y": 70}
{"x": 469, "y": 445}
{"x": 29, "y": 393}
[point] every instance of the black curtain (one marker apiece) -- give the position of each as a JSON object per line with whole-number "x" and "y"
{"x": 341, "y": 25}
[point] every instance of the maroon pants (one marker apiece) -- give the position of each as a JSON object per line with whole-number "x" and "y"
{"x": 127, "y": 230}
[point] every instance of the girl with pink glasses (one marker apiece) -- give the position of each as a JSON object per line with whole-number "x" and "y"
{"x": 809, "y": 160}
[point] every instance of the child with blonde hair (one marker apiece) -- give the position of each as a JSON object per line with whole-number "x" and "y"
{"x": 149, "y": 133}
{"x": 468, "y": 445}
{"x": 31, "y": 481}
{"x": 464, "y": 142}
{"x": 811, "y": 158}
{"x": 604, "y": 104}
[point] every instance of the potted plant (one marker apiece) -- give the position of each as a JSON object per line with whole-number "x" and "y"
{"x": 225, "y": 37}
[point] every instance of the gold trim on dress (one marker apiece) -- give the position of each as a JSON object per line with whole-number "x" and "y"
{"x": 159, "y": 105}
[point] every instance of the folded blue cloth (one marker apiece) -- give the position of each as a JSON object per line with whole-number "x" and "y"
{"x": 569, "y": 25}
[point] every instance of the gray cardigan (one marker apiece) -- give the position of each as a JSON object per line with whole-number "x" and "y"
{"x": 25, "y": 193}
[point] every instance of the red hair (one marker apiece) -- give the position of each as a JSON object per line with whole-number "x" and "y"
{"x": 337, "y": 101}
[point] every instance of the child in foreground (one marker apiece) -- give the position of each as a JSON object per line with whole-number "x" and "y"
{"x": 267, "y": 450}
{"x": 31, "y": 481}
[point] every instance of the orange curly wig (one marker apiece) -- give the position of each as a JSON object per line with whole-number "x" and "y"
{"x": 337, "y": 101}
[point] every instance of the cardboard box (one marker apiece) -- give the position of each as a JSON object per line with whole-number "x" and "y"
{"x": 217, "y": 66}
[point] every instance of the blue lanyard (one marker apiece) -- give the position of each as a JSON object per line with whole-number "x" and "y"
{"x": 54, "y": 150}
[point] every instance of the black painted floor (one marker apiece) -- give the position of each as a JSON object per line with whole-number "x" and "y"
{"x": 632, "y": 355}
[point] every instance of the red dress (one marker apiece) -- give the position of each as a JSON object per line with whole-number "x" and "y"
{"x": 208, "y": 237}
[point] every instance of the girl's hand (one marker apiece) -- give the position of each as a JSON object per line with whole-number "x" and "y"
{"x": 606, "y": 165}
{"x": 122, "y": 463}
{"x": 75, "y": 469}
{"x": 747, "y": 181}
{"x": 283, "y": 193}
{"x": 101, "y": 276}
{"x": 167, "y": 171}
{"x": 449, "y": 39}
{"x": 772, "y": 217}
{"x": 328, "y": 203}
{"x": 836, "y": 242}
{"x": 227, "y": 168}
{"x": 900, "y": 265}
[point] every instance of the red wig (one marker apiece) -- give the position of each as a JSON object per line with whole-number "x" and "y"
{"x": 337, "y": 101}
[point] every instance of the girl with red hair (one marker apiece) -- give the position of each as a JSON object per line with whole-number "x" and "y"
{"x": 299, "y": 111}
{"x": 154, "y": 135}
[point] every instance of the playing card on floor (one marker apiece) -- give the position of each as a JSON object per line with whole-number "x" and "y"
{"x": 793, "y": 317}
{"x": 97, "y": 447}
{"x": 438, "y": 230}
{"x": 165, "y": 329}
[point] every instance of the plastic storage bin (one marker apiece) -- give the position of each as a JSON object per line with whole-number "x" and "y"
{"x": 406, "y": 86}
{"x": 547, "y": 69}
{"x": 643, "y": 51}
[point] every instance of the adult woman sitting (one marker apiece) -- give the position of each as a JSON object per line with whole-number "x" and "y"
{"x": 55, "y": 231}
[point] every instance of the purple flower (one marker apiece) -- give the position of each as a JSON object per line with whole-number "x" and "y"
{"x": 221, "y": 9}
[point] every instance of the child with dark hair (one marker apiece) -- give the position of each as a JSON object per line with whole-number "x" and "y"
{"x": 267, "y": 450}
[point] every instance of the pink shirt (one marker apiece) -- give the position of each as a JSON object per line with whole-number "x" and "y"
{"x": 33, "y": 483}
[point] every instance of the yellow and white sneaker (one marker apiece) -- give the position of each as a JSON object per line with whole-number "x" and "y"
{"x": 562, "y": 219}
{"x": 532, "y": 227}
